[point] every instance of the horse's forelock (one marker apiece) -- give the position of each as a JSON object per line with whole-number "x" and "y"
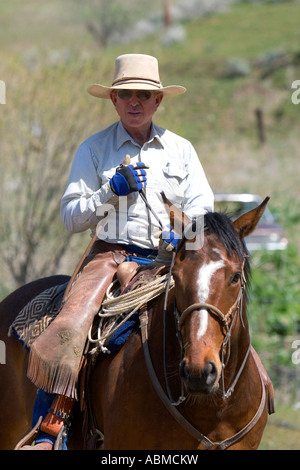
{"x": 220, "y": 225}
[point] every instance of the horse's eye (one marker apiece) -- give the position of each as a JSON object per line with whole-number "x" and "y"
{"x": 235, "y": 278}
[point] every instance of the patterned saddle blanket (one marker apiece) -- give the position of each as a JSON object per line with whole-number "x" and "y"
{"x": 37, "y": 315}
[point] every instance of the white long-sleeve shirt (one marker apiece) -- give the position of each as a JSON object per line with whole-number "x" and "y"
{"x": 174, "y": 168}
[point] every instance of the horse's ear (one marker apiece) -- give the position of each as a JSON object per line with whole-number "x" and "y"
{"x": 177, "y": 217}
{"x": 247, "y": 222}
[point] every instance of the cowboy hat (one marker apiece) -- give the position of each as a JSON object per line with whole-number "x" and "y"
{"x": 135, "y": 72}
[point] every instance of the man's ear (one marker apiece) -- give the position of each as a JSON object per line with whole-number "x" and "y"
{"x": 247, "y": 222}
{"x": 113, "y": 97}
{"x": 159, "y": 98}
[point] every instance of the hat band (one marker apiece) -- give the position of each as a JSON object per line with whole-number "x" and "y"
{"x": 137, "y": 80}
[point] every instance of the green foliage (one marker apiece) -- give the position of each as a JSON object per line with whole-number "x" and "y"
{"x": 275, "y": 305}
{"x": 274, "y": 309}
{"x": 275, "y": 292}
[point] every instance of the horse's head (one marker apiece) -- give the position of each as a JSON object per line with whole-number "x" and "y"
{"x": 209, "y": 289}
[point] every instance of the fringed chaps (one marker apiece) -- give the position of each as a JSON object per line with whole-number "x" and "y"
{"x": 55, "y": 356}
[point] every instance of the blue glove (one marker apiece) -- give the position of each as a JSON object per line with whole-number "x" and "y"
{"x": 129, "y": 179}
{"x": 169, "y": 238}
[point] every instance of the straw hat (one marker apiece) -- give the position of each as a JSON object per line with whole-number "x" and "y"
{"x": 135, "y": 72}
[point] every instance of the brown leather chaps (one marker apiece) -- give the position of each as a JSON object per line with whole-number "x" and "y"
{"x": 56, "y": 354}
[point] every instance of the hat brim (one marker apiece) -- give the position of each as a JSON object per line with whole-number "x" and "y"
{"x": 101, "y": 91}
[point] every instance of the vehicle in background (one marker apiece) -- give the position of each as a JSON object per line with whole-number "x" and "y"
{"x": 268, "y": 234}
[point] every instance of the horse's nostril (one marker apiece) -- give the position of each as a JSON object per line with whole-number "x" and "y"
{"x": 210, "y": 373}
{"x": 184, "y": 372}
{"x": 207, "y": 376}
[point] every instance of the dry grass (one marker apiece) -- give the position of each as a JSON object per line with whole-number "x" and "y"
{"x": 282, "y": 431}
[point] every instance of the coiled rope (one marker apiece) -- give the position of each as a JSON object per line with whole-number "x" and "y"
{"x": 115, "y": 306}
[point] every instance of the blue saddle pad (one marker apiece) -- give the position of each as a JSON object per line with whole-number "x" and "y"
{"x": 120, "y": 336}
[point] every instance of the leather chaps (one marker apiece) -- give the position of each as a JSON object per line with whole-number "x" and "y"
{"x": 56, "y": 354}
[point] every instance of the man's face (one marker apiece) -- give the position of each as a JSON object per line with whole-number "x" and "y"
{"x": 136, "y": 107}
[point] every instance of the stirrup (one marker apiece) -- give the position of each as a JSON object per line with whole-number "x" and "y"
{"x": 59, "y": 443}
{"x": 31, "y": 436}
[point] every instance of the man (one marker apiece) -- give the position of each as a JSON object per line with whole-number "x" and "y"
{"x": 107, "y": 196}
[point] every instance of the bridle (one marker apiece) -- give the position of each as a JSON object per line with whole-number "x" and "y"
{"x": 166, "y": 398}
{"x": 227, "y": 321}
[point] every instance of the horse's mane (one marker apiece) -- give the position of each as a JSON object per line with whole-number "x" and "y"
{"x": 220, "y": 225}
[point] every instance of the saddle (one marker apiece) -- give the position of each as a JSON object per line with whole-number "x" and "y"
{"x": 41, "y": 311}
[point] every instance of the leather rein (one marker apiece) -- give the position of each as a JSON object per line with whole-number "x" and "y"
{"x": 166, "y": 398}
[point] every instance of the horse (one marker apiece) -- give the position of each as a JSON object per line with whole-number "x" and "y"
{"x": 188, "y": 378}
{"x": 17, "y": 393}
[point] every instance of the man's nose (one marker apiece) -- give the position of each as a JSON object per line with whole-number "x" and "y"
{"x": 134, "y": 99}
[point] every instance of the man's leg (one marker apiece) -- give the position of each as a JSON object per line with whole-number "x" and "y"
{"x": 74, "y": 320}
{"x": 56, "y": 411}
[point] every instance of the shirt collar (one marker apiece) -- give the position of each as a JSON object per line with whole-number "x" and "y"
{"x": 123, "y": 136}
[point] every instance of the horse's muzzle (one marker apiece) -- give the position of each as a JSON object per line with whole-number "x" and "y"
{"x": 200, "y": 381}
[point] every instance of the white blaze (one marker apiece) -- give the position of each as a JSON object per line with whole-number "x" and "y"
{"x": 205, "y": 274}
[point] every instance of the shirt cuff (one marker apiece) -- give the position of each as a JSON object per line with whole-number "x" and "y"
{"x": 105, "y": 195}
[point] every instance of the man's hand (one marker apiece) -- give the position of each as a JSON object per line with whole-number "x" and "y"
{"x": 169, "y": 239}
{"x": 129, "y": 179}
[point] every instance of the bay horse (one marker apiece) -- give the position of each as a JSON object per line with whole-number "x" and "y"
{"x": 187, "y": 379}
